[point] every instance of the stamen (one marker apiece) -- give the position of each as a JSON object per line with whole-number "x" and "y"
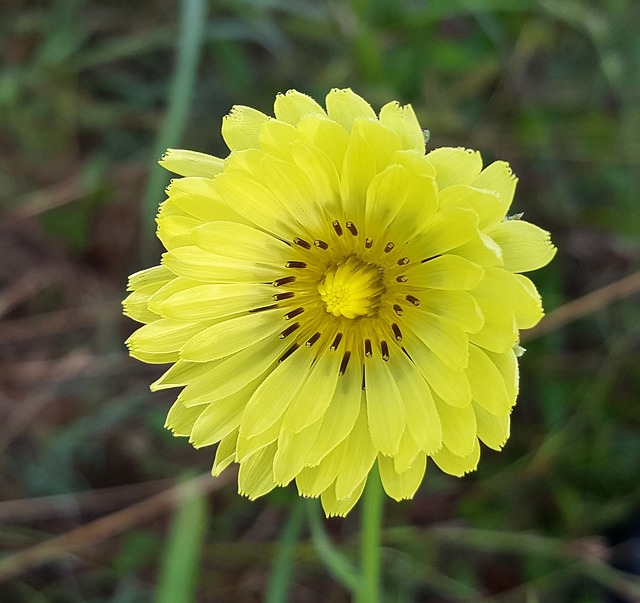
{"x": 402, "y": 278}
{"x": 302, "y": 243}
{"x": 293, "y": 313}
{"x": 364, "y": 382}
{"x": 320, "y": 243}
{"x": 337, "y": 227}
{"x": 403, "y": 261}
{"x": 396, "y": 331}
{"x": 351, "y": 227}
{"x": 290, "y": 329}
{"x": 313, "y": 339}
{"x": 283, "y": 281}
{"x": 367, "y": 348}
{"x": 414, "y": 300}
{"x": 295, "y": 264}
{"x": 281, "y": 296}
{"x": 344, "y": 363}
{"x": 336, "y": 342}
{"x": 389, "y": 246}
{"x": 263, "y": 308}
{"x": 398, "y": 309}
{"x": 384, "y": 348}
{"x": 289, "y": 351}
{"x": 433, "y": 257}
{"x": 368, "y": 242}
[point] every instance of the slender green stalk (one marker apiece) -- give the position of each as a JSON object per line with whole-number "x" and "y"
{"x": 193, "y": 16}
{"x": 281, "y": 572}
{"x": 370, "y": 551}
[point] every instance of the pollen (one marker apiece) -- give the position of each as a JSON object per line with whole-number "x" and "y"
{"x": 352, "y": 288}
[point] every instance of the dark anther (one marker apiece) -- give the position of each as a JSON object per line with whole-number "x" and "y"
{"x": 344, "y": 363}
{"x": 389, "y": 246}
{"x": 396, "y": 331}
{"x": 283, "y": 281}
{"x": 295, "y": 264}
{"x": 302, "y": 243}
{"x": 293, "y": 313}
{"x": 403, "y": 261}
{"x": 281, "y": 296}
{"x": 290, "y": 329}
{"x": 320, "y": 243}
{"x": 433, "y": 257}
{"x": 398, "y": 310}
{"x": 289, "y": 351}
{"x": 368, "y": 242}
{"x": 402, "y": 278}
{"x": 337, "y": 227}
{"x": 384, "y": 349}
{"x": 336, "y": 342}
{"x": 414, "y": 300}
{"x": 367, "y": 348}
{"x": 351, "y": 227}
{"x": 313, "y": 339}
{"x": 364, "y": 381}
{"x": 263, "y": 308}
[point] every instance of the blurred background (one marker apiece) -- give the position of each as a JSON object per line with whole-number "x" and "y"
{"x": 93, "y": 505}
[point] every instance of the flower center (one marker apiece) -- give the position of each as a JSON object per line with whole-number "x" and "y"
{"x": 352, "y": 288}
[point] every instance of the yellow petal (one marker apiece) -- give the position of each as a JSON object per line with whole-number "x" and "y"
{"x": 180, "y": 374}
{"x": 204, "y": 302}
{"x": 455, "y": 165}
{"x": 451, "y": 386}
{"x": 445, "y": 338}
{"x": 328, "y": 136}
{"x": 484, "y": 203}
{"x": 180, "y": 419}
{"x": 191, "y": 163}
{"x": 312, "y": 481}
{"x": 493, "y": 430}
{"x": 162, "y": 336}
{"x": 294, "y": 106}
{"x": 231, "y": 336}
{"x": 458, "y": 427}
{"x": 457, "y": 306}
{"x": 423, "y": 421}
{"x": 344, "y": 106}
{"x": 225, "y": 453}
{"x": 255, "y": 477}
{"x": 454, "y": 464}
{"x": 500, "y": 330}
{"x": 507, "y": 364}
{"x": 450, "y": 227}
{"x": 358, "y": 455}
{"x": 449, "y": 272}
{"x": 498, "y": 177}
{"x": 157, "y": 275}
{"x": 340, "y": 416}
{"x": 487, "y": 385}
{"x": 403, "y": 121}
{"x": 276, "y": 138}
{"x": 318, "y": 386}
{"x": 524, "y": 246}
{"x": 241, "y": 128}
{"x": 407, "y": 453}
{"x": 338, "y": 507}
{"x": 292, "y": 448}
{"x": 385, "y": 408}
{"x": 274, "y": 395}
{"x": 200, "y": 265}
{"x": 400, "y": 486}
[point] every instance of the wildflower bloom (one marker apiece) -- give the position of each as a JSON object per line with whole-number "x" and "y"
{"x": 332, "y": 297}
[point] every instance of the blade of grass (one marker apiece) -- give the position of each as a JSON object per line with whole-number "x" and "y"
{"x": 337, "y": 564}
{"x": 181, "y": 559}
{"x": 281, "y": 572}
{"x": 193, "y": 17}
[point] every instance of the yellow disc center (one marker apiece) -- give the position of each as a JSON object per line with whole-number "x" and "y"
{"x": 352, "y": 288}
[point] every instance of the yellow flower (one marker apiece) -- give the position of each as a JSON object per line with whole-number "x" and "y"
{"x": 332, "y": 297}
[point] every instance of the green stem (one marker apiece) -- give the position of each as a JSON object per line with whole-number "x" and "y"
{"x": 370, "y": 551}
{"x": 281, "y": 573}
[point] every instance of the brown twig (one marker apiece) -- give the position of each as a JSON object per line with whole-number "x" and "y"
{"x": 109, "y": 526}
{"x": 585, "y": 305}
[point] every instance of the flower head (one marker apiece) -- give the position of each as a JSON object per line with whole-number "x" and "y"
{"x": 332, "y": 297}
